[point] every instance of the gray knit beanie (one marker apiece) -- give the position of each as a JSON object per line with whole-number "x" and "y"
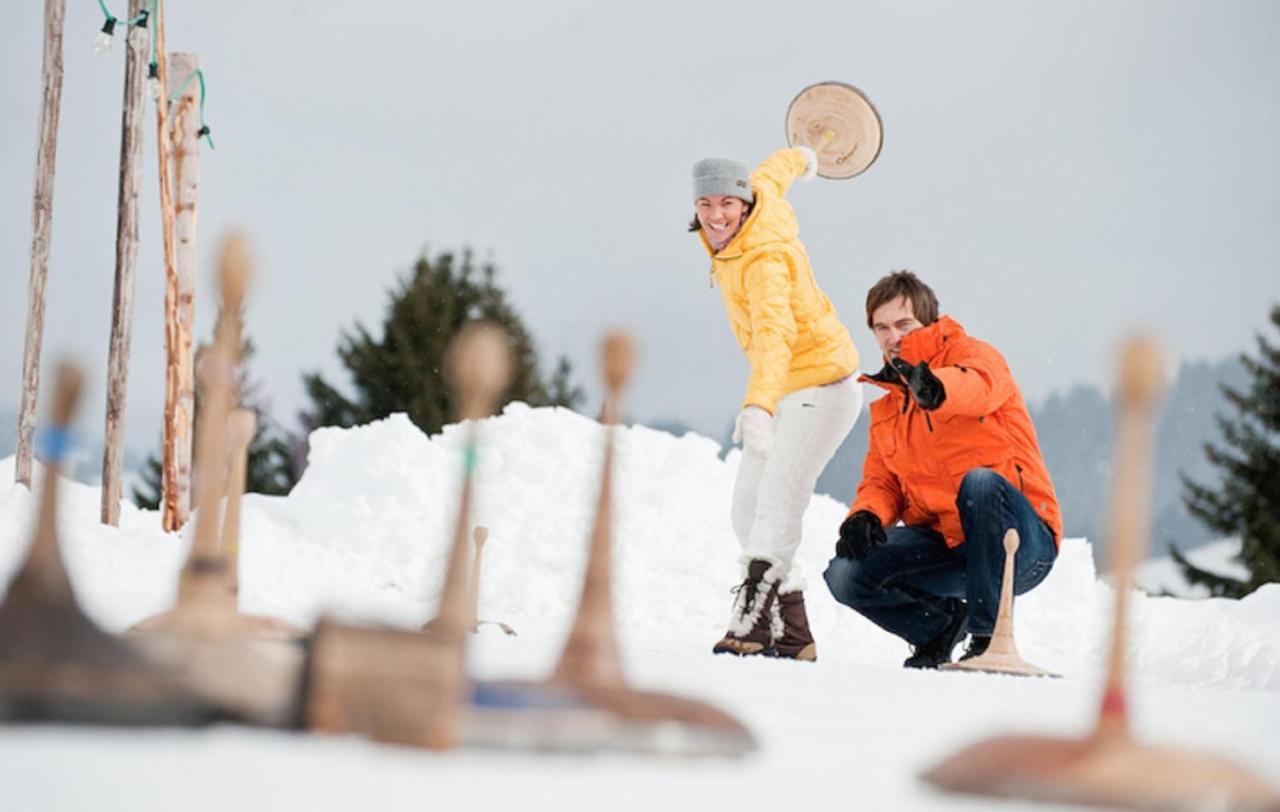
{"x": 722, "y": 176}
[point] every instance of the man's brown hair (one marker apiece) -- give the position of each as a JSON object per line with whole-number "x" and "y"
{"x": 904, "y": 283}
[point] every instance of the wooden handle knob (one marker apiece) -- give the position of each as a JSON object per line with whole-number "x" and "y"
{"x": 618, "y": 358}
{"x": 1141, "y": 372}
{"x": 233, "y": 272}
{"x": 479, "y": 367}
{"x": 1011, "y": 541}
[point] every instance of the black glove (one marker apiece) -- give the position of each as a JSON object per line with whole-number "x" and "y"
{"x": 924, "y": 385}
{"x": 859, "y": 535}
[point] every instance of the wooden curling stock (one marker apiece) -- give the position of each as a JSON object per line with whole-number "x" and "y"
{"x": 586, "y": 705}
{"x": 478, "y": 538}
{"x": 840, "y": 124}
{"x": 1001, "y": 656}
{"x": 45, "y": 575}
{"x": 590, "y": 656}
{"x": 400, "y": 687}
{"x": 55, "y": 664}
{"x": 252, "y": 663}
{"x": 206, "y": 604}
{"x": 1109, "y": 768}
{"x": 1138, "y": 390}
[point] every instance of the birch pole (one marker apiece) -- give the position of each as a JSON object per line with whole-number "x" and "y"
{"x": 46, "y": 159}
{"x": 183, "y": 150}
{"x": 126, "y": 259}
{"x": 171, "y": 518}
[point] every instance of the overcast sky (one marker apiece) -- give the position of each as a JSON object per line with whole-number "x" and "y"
{"x": 1061, "y": 173}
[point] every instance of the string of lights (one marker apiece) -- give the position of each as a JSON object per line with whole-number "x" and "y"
{"x": 195, "y": 75}
{"x": 102, "y": 42}
{"x": 102, "y": 45}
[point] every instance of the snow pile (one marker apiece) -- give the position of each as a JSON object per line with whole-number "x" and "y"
{"x": 364, "y": 536}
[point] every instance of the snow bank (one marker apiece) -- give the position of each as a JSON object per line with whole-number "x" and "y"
{"x": 364, "y": 535}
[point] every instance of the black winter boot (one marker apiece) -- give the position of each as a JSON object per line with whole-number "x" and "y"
{"x": 751, "y": 623}
{"x": 795, "y": 641}
{"x": 978, "y": 644}
{"x": 937, "y": 651}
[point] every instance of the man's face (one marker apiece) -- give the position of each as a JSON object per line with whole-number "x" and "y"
{"x": 890, "y": 322}
{"x": 720, "y": 216}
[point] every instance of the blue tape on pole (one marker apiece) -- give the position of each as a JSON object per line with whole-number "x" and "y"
{"x": 52, "y": 444}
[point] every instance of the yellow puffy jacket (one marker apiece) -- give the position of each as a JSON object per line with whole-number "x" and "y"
{"x": 782, "y": 320}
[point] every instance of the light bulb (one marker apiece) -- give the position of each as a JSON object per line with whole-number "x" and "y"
{"x": 153, "y": 81}
{"x": 102, "y": 42}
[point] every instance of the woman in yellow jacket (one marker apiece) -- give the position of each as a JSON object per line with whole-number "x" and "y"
{"x": 801, "y": 398}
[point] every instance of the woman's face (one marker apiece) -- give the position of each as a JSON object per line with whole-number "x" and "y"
{"x": 720, "y": 217}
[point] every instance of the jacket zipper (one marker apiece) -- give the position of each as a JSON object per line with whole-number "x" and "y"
{"x": 906, "y": 403}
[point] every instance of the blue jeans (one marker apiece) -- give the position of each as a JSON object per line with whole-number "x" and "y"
{"x": 908, "y": 586}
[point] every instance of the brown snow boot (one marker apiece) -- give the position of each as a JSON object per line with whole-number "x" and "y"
{"x": 751, "y": 623}
{"x": 795, "y": 641}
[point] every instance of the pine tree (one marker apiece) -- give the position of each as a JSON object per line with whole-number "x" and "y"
{"x": 1248, "y": 501}
{"x": 401, "y": 371}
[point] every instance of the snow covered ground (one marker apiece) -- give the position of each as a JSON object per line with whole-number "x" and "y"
{"x": 363, "y": 536}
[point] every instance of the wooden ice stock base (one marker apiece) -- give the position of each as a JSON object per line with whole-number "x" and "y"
{"x": 1109, "y": 768}
{"x": 1001, "y": 656}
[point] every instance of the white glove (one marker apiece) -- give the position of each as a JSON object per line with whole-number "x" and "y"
{"x": 754, "y": 429}
{"x": 810, "y": 163}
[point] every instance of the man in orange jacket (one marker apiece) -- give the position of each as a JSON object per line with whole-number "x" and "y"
{"x": 954, "y": 457}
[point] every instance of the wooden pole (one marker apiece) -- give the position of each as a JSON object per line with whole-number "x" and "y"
{"x": 170, "y": 519}
{"x": 180, "y": 285}
{"x": 42, "y": 216}
{"x": 126, "y": 259}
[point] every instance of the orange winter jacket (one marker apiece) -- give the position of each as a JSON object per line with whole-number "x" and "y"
{"x": 781, "y": 318}
{"x": 916, "y": 459}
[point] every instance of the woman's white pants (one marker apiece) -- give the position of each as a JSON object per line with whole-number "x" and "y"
{"x": 772, "y": 492}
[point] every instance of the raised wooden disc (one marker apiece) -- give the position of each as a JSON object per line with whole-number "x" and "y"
{"x": 840, "y": 124}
